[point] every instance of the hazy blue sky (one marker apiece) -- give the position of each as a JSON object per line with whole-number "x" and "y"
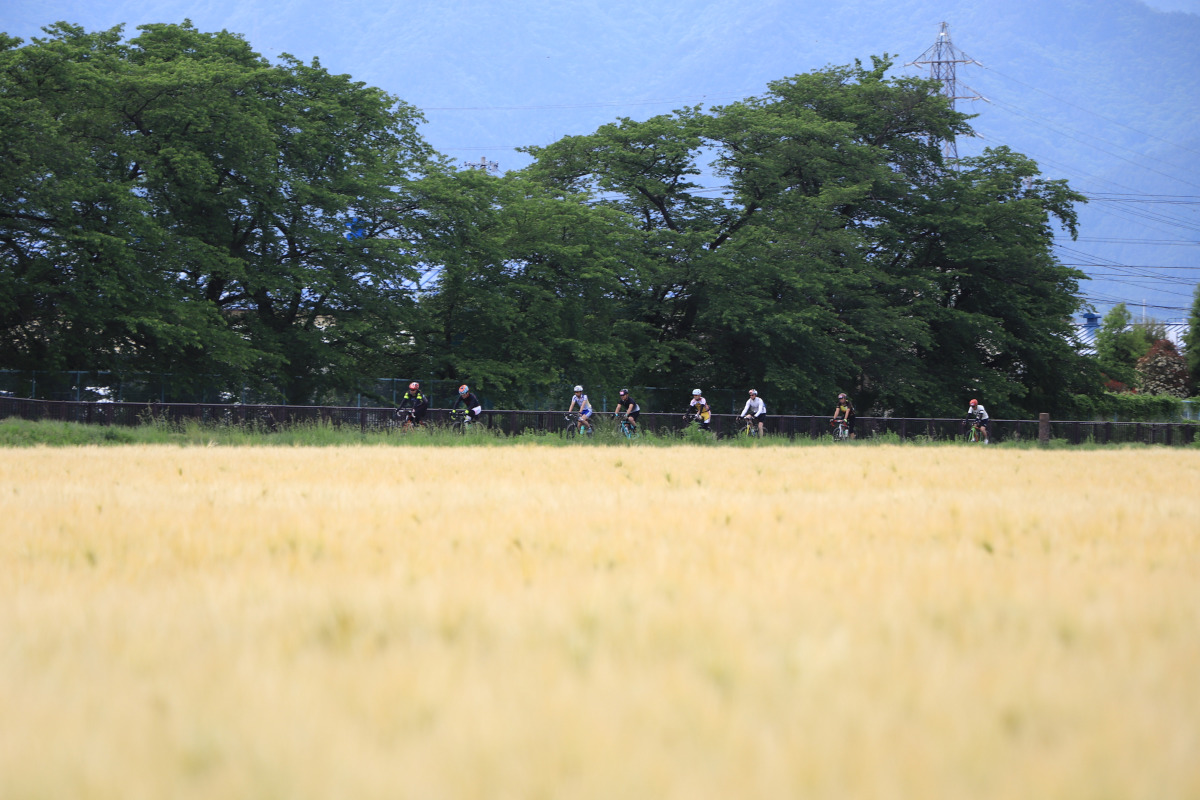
{"x": 1102, "y": 92}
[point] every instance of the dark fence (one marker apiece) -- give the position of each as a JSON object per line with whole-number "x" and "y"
{"x": 511, "y": 422}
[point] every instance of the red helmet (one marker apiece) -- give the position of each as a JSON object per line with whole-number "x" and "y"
{"x": 414, "y": 386}
{"x": 974, "y": 402}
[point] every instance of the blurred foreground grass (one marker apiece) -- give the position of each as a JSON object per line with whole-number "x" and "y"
{"x": 598, "y": 622}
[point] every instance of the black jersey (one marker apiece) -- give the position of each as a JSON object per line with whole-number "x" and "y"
{"x": 417, "y": 401}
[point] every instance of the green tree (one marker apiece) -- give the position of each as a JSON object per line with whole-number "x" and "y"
{"x": 1191, "y": 345}
{"x": 1001, "y": 326}
{"x": 182, "y": 205}
{"x": 1119, "y": 345}
{"x": 79, "y": 286}
{"x": 811, "y": 240}
{"x": 516, "y": 294}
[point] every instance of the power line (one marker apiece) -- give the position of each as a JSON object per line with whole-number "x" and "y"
{"x": 1115, "y": 300}
{"x": 1136, "y": 266}
{"x": 1109, "y": 240}
{"x": 1071, "y": 135}
{"x": 1089, "y": 111}
{"x": 610, "y": 104}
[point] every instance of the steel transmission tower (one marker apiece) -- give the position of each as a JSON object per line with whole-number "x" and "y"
{"x": 482, "y": 164}
{"x": 942, "y": 60}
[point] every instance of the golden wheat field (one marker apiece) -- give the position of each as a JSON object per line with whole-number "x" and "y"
{"x": 533, "y": 622}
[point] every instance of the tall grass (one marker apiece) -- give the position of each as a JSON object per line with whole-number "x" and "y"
{"x": 22, "y": 433}
{"x": 596, "y": 622}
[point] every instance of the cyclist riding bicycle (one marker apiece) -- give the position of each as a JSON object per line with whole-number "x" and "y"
{"x": 416, "y": 401}
{"x": 755, "y": 410}
{"x": 845, "y": 410}
{"x": 468, "y": 400}
{"x": 585, "y": 407}
{"x": 975, "y": 410}
{"x": 632, "y": 409}
{"x": 699, "y": 407}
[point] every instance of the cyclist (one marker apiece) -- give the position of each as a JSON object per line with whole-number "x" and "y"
{"x": 632, "y": 409}
{"x": 844, "y": 408}
{"x": 755, "y": 410}
{"x": 975, "y": 410}
{"x": 468, "y": 400}
{"x": 585, "y": 407}
{"x": 416, "y": 401}
{"x": 699, "y": 407}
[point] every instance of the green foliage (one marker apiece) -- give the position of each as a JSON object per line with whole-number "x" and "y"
{"x": 178, "y": 204}
{"x": 842, "y": 254}
{"x": 1191, "y": 344}
{"x": 175, "y": 203}
{"x": 1119, "y": 345}
{"x": 518, "y": 289}
{"x": 1127, "y": 407}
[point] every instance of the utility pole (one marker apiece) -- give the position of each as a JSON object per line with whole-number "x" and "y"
{"x": 942, "y": 59}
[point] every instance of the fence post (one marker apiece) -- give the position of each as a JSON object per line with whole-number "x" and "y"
{"x": 1043, "y": 429}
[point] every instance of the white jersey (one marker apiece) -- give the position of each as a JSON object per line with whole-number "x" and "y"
{"x": 581, "y": 401}
{"x": 754, "y": 405}
{"x": 978, "y": 411}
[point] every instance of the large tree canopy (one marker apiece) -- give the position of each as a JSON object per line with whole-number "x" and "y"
{"x": 176, "y": 203}
{"x": 812, "y": 240}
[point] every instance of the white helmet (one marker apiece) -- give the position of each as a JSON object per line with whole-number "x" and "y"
{"x": 696, "y": 392}
{"x": 754, "y": 392}
{"x": 579, "y": 388}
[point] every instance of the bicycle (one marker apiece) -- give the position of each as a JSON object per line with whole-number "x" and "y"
{"x": 693, "y": 422}
{"x": 405, "y": 419}
{"x": 576, "y": 426}
{"x": 841, "y": 429}
{"x": 751, "y": 428}
{"x": 627, "y": 428}
{"x": 460, "y": 420}
{"x": 974, "y": 435}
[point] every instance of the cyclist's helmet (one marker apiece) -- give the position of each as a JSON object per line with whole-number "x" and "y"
{"x": 623, "y": 392}
{"x": 754, "y": 392}
{"x": 464, "y": 389}
{"x": 579, "y": 388}
{"x": 842, "y": 396}
{"x": 696, "y": 392}
{"x": 974, "y": 402}
{"x": 414, "y": 386}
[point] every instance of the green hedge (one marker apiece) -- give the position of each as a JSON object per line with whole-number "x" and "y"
{"x": 1126, "y": 407}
